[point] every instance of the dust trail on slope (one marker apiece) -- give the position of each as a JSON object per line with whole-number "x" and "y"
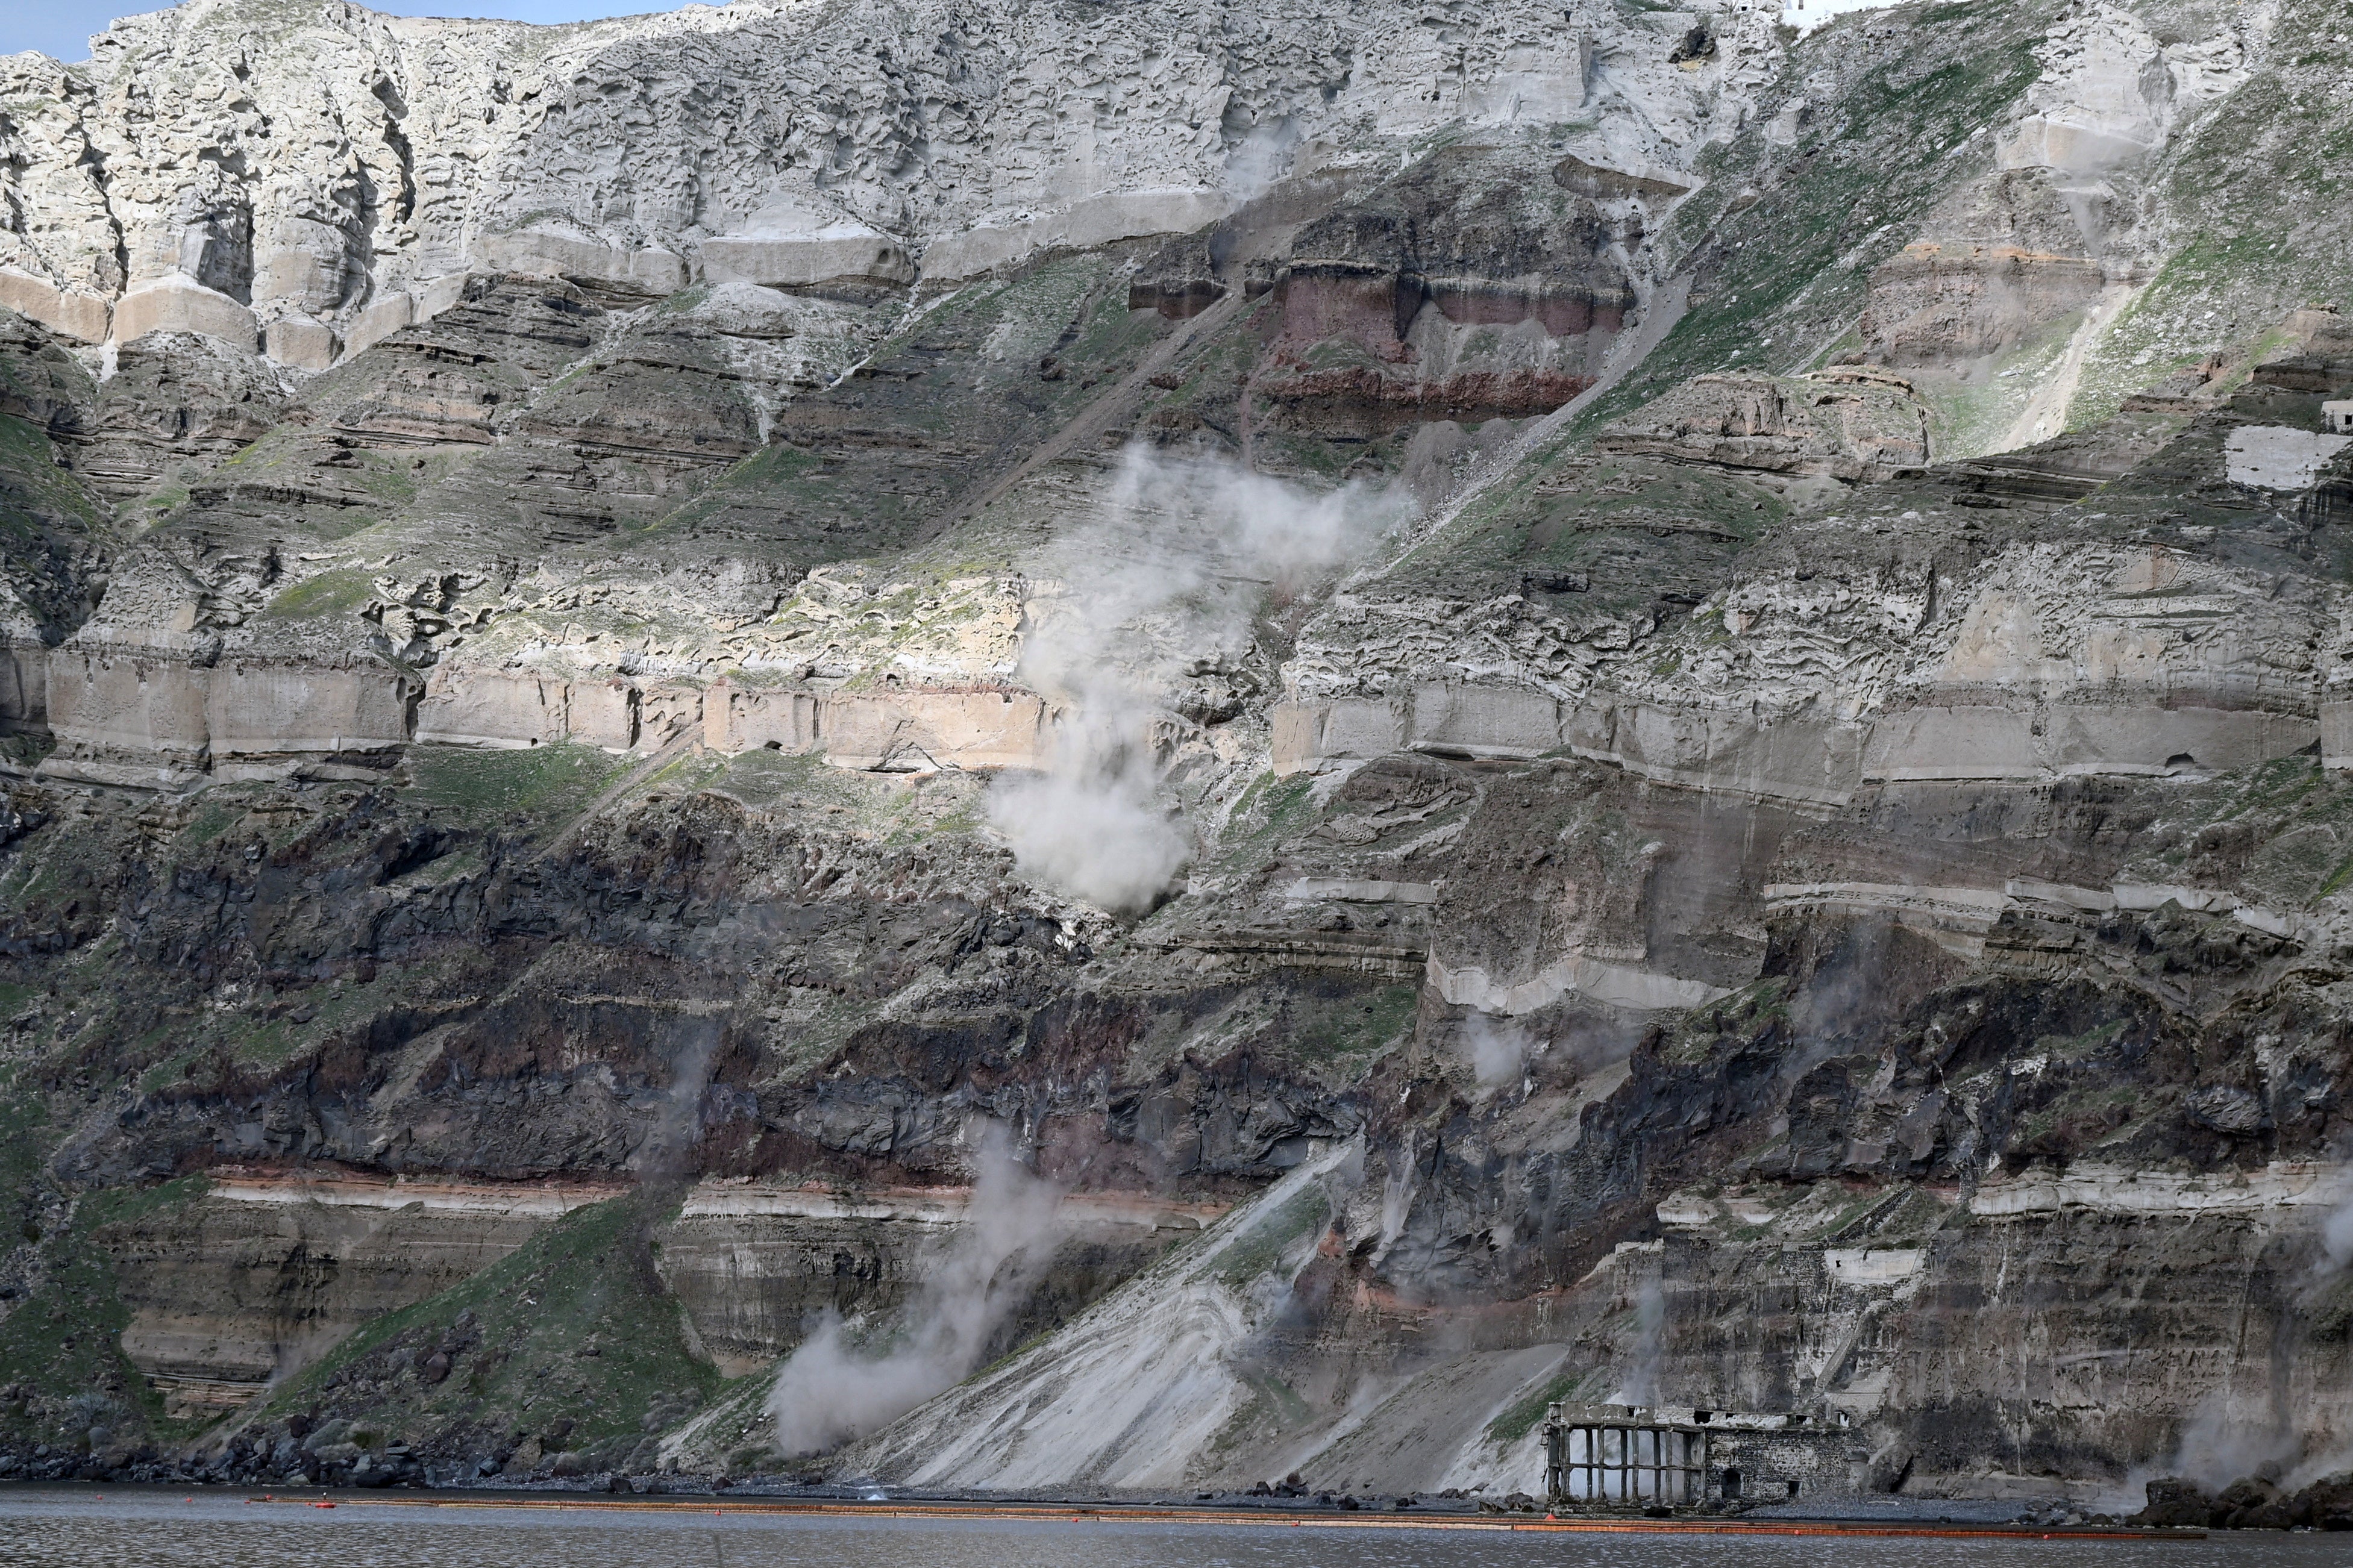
{"x": 1496, "y": 1048}
{"x": 1085, "y": 429}
{"x": 669, "y": 1145}
{"x": 2045, "y": 413}
{"x": 1435, "y": 1427}
{"x": 1669, "y": 302}
{"x": 1129, "y": 1392}
{"x": 1162, "y": 589}
{"x": 1641, "y": 1384}
{"x": 833, "y": 1389}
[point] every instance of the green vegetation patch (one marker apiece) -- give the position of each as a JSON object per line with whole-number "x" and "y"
{"x": 775, "y": 471}
{"x": 573, "y": 1327}
{"x": 1970, "y": 418}
{"x": 1262, "y": 1248}
{"x": 2281, "y": 831}
{"x": 1278, "y": 1401}
{"x": 1783, "y": 269}
{"x": 2260, "y": 184}
{"x": 46, "y": 521}
{"x": 2069, "y": 1047}
{"x": 1743, "y": 1014}
{"x": 1352, "y": 1029}
{"x": 1520, "y": 1417}
{"x": 537, "y": 783}
{"x": 341, "y": 592}
{"x": 1271, "y": 809}
{"x": 29, "y": 472}
{"x": 62, "y": 1343}
{"x": 1610, "y": 537}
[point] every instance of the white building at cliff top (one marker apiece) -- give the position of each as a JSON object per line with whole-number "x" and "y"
{"x": 1807, "y": 15}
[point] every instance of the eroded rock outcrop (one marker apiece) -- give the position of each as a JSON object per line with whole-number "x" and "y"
{"x": 1446, "y": 297}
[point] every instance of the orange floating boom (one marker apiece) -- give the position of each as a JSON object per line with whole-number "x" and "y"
{"x": 1148, "y": 1514}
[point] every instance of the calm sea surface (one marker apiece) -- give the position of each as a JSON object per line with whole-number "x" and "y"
{"x": 127, "y": 1528}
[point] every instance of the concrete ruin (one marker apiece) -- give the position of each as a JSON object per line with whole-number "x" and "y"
{"x": 1679, "y": 1457}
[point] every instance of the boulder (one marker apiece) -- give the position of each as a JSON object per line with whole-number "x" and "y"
{"x": 2327, "y": 1503}
{"x": 299, "y": 342}
{"x": 2250, "y": 1504}
{"x": 2176, "y": 1501}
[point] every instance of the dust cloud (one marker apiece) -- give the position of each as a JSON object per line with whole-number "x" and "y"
{"x": 669, "y": 1146}
{"x": 1261, "y": 158}
{"x": 1641, "y": 1384}
{"x": 2336, "y": 1242}
{"x": 835, "y": 1388}
{"x": 1161, "y": 588}
{"x": 1497, "y": 1049}
{"x": 2218, "y": 1447}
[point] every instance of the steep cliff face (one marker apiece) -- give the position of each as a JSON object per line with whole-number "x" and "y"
{"x": 1195, "y": 746}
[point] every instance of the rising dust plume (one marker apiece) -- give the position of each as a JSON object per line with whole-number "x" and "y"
{"x": 833, "y": 1389}
{"x": 1164, "y": 585}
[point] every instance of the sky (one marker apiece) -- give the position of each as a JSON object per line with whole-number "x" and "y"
{"x": 62, "y": 28}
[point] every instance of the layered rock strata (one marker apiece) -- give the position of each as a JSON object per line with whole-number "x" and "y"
{"x": 1606, "y": 706}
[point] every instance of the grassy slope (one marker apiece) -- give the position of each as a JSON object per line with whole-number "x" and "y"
{"x": 1779, "y": 244}
{"x": 571, "y": 1339}
{"x": 64, "y": 1380}
{"x": 1778, "y": 278}
{"x": 48, "y": 521}
{"x": 2260, "y": 196}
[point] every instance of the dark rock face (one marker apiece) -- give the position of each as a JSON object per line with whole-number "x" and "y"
{"x": 177, "y": 404}
{"x": 45, "y": 386}
{"x": 2250, "y": 1503}
{"x": 2330, "y": 1502}
{"x": 500, "y": 1087}
{"x": 1382, "y": 299}
{"x": 462, "y": 1001}
{"x": 460, "y": 376}
{"x": 2177, "y": 1503}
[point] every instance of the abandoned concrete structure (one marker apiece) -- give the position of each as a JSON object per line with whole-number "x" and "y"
{"x": 2337, "y": 418}
{"x": 1682, "y": 1457}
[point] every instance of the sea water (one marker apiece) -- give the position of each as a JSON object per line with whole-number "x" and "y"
{"x": 100, "y": 1527}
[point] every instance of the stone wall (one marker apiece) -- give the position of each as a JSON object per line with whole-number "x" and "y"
{"x": 1808, "y": 755}
{"x": 148, "y": 718}
{"x": 506, "y": 707}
